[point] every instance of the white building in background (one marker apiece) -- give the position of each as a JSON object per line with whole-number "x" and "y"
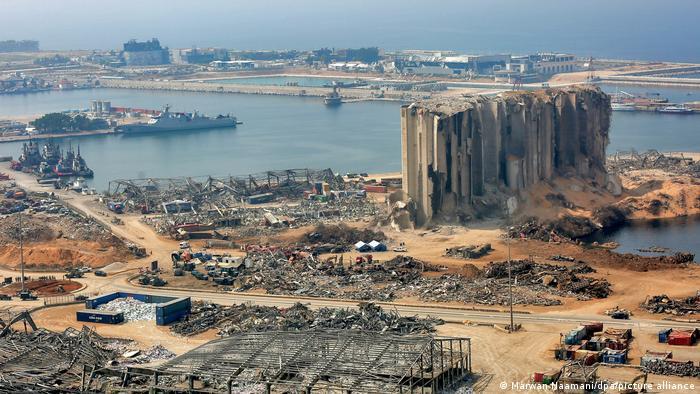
{"x": 553, "y": 63}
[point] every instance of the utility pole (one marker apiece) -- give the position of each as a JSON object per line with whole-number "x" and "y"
{"x": 510, "y": 288}
{"x": 21, "y": 251}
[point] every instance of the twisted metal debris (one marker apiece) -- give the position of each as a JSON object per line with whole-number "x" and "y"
{"x": 243, "y": 318}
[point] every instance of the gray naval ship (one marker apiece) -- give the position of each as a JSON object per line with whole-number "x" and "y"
{"x": 174, "y": 121}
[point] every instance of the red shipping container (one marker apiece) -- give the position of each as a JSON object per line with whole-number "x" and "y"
{"x": 593, "y": 327}
{"x": 680, "y": 338}
{"x": 374, "y": 189}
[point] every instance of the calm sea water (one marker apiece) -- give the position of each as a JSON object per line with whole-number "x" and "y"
{"x": 288, "y": 132}
{"x": 676, "y": 235}
{"x": 278, "y": 133}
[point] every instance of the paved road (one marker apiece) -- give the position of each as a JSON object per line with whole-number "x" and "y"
{"x": 449, "y": 314}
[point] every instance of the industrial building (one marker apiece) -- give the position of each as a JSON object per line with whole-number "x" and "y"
{"x": 199, "y": 55}
{"x": 467, "y": 156}
{"x": 147, "y": 53}
{"x": 314, "y": 361}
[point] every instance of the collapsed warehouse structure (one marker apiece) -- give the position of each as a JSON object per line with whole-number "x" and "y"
{"x": 309, "y": 361}
{"x": 459, "y": 154}
{"x": 218, "y": 194}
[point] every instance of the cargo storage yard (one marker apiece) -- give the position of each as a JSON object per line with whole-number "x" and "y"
{"x": 157, "y": 235}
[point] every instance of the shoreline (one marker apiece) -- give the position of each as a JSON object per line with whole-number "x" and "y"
{"x": 17, "y": 138}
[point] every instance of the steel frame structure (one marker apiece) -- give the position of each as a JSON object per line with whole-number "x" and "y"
{"x": 331, "y": 361}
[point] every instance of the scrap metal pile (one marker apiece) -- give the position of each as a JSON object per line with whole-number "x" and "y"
{"x": 131, "y": 308}
{"x": 243, "y": 318}
{"x": 533, "y": 283}
{"x": 402, "y": 276}
{"x": 331, "y": 278}
{"x": 652, "y": 159}
{"x": 217, "y": 194}
{"x": 469, "y": 251}
{"x": 664, "y": 304}
{"x": 252, "y": 221}
{"x": 45, "y": 361}
{"x": 674, "y": 368}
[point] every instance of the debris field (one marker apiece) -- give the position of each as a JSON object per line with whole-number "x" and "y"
{"x": 243, "y": 318}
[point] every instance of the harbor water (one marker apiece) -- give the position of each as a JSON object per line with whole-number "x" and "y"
{"x": 671, "y": 235}
{"x": 280, "y": 132}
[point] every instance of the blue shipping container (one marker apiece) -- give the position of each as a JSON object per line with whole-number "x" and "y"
{"x": 663, "y": 335}
{"x": 96, "y": 316}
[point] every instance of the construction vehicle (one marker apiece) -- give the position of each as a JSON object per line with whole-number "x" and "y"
{"x": 74, "y": 273}
{"x": 116, "y": 207}
{"x": 138, "y": 251}
{"x": 26, "y": 295}
{"x": 363, "y": 259}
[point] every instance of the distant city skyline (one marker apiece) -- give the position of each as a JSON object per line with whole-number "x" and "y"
{"x": 659, "y": 30}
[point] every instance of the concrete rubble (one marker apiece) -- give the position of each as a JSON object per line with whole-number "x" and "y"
{"x": 469, "y": 251}
{"x": 255, "y": 221}
{"x": 239, "y": 318}
{"x": 534, "y": 283}
{"x": 302, "y": 273}
{"x": 665, "y": 304}
{"x": 132, "y": 309}
{"x": 626, "y": 162}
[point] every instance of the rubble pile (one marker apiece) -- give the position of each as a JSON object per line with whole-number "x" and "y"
{"x": 219, "y": 194}
{"x": 303, "y": 274}
{"x": 243, "y": 317}
{"x": 45, "y": 361}
{"x": 131, "y": 308}
{"x": 532, "y": 229}
{"x": 342, "y": 234}
{"x": 674, "y": 368}
{"x": 469, "y": 251}
{"x": 534, "y": 283}
{"x": 254, "y": 221}
{"x": 664, "y": 304}
{"x": 47, "y": 220}
{"x": 307, "y": 276}
{"x": 621, "y": 163}
{"x": 154, "y": 353}
{"x": 567, "y": 280}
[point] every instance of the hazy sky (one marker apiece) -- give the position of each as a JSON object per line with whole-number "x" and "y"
{"x": 643, "y": 29}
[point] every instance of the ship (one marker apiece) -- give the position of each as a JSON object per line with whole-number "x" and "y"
{"x": 676, "y": 109}
{"x": 333, "y": 98}
{"x": 623, "y": 107}
{"x": 175, "y": 121}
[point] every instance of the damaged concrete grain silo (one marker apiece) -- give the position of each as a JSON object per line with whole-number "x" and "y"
{"x": 463, "y": 156}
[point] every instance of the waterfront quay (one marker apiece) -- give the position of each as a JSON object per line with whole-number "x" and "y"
{"x": 348, "y": 93}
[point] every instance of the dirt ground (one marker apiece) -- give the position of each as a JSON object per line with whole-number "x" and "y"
{"x": 497, "y": 355}
{"x": 146, "y": 333}
{"x": 44, "y": 287}
{"x": 61, "y": 253}
{"x": 502, "y": 357}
